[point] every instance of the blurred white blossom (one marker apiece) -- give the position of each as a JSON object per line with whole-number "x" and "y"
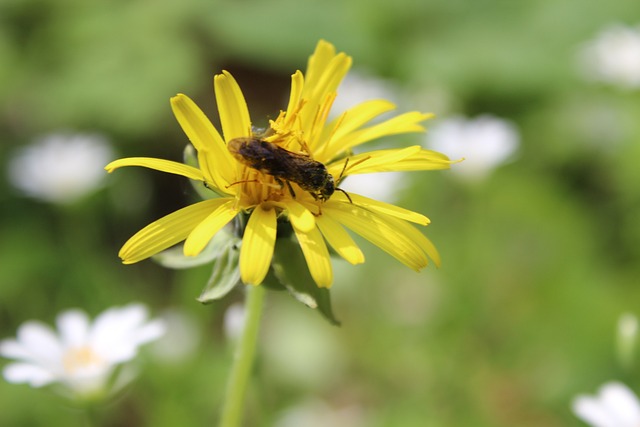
{"x": 181, "y": 337}
{"x": 380, "y": 186}
{"x": 81, "y": 356}
{"x": 60, "y": 168}
{"x": 316, "y": 413}
{"x": 234, "y": 319}
{"x": 301, "y": 350}
{"x": 626, "y": 339}
{"x": 613, "y": 56}
{"x": 484, "y": 142}
{"x": 614, "y": 406}
{"x": 359, "y": 86}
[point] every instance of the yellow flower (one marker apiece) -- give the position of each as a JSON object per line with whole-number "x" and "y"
{"x": 304, "y": 129}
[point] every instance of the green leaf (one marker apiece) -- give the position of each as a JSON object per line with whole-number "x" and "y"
{"x": 290, "y": 268}
{"x": 225, "y": 274}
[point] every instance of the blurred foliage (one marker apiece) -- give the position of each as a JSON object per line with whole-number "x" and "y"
{"x": 539, "y": 260}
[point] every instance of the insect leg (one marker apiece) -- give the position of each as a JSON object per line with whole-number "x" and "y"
{"x": 242, "y": 182}
{"x": 293, "y": 193}
{"x": 282, "y": 184}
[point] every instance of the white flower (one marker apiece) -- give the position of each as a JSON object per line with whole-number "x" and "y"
{"x": 316, "y": 413}
{"x": 234, "y": 320}
{"x": 627, "y": 337}
{"x": 484, "y": 142}
{"x": 315, "y": 360}
{"x": 60, "y": 168}
{"x": 613, "y": 56}
{"x": 359, "y": 86}
{"x": 181, "y": 337}
{"x": 628, "y": 326}
{"x": 81, "y": 356}
{"x": 381, "y": 186}
{"x": 614, "y": 406}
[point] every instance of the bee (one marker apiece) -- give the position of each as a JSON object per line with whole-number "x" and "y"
{"x": 285, "y": 166}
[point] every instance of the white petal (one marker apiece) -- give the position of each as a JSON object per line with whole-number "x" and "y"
{"x": 149, "y": 332}
{"x": 127, "y": 347}
{"x": 116, "y": 324}
{"x": 621, "y": 401}
{"x": 35, "y": 375}
{"x": 41, "y": 343}
{"x": 114, "y": 321}
{"x": 12, "y": 349}
{"x": 73, "y": 326}
{"x": 117, "y": 333}
{"x": 591, "y": 411}
{"x": 615, "y": 406}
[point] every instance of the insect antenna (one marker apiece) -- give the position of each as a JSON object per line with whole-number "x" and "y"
{"x": 340, "y": 177}
{"x": 345, "y": 193}
{"x": 349, "y": 166}
{"x": 344, "y": 168}
{"x": 346, "y": 162}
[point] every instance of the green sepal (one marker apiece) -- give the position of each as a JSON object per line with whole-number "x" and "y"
{"x": 290, "y": 268}
{"x": 225, "y": 274}
{"x": 176, "y": 259}
{"x": 272, "y": 283}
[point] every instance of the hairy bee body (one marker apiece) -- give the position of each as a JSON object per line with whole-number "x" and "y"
{"x": 284, "y": 165}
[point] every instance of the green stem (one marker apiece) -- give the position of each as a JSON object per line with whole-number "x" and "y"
{"x": 89, "y": 416}
{"x": 243, "y": 359}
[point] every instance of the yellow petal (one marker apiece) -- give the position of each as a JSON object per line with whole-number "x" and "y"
{"x": 425, "y": 244}
{"x": 357, "y": 116}
{"x": 330, "y": 78}
{"x": 371, "y": 161}
{"x": 382, "y": 208}
{"x": 234, "y": 114}
{"x": 379, "y": 230}
{"x": 422, "y": 160}
{"x": 257, "y": 245}
{"x": 159, "y": 165}
{"x": 167, "y": 231}
{"x": 214, "y": 158}
{"x": 339, "y": 239}
{"x": 314, "y": 132}
{"x": 404, "y": 123}
{"x": 300, "y": 216}
{"x": 325, "y": 71}
{"x": 318, "y": 62}
{"x": 297, "y": 84}
{"x": 208, "y": 227}
{"x": 393, "y": 160}
{"x": 317, "y": 256}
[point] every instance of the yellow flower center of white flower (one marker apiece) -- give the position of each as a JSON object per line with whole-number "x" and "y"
{"x": 78, "y": 358}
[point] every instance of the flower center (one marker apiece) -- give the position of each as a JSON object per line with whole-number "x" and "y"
{"x": 78, "y": 358}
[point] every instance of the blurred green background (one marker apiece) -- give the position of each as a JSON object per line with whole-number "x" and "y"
{"x": 539, "y": 259}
